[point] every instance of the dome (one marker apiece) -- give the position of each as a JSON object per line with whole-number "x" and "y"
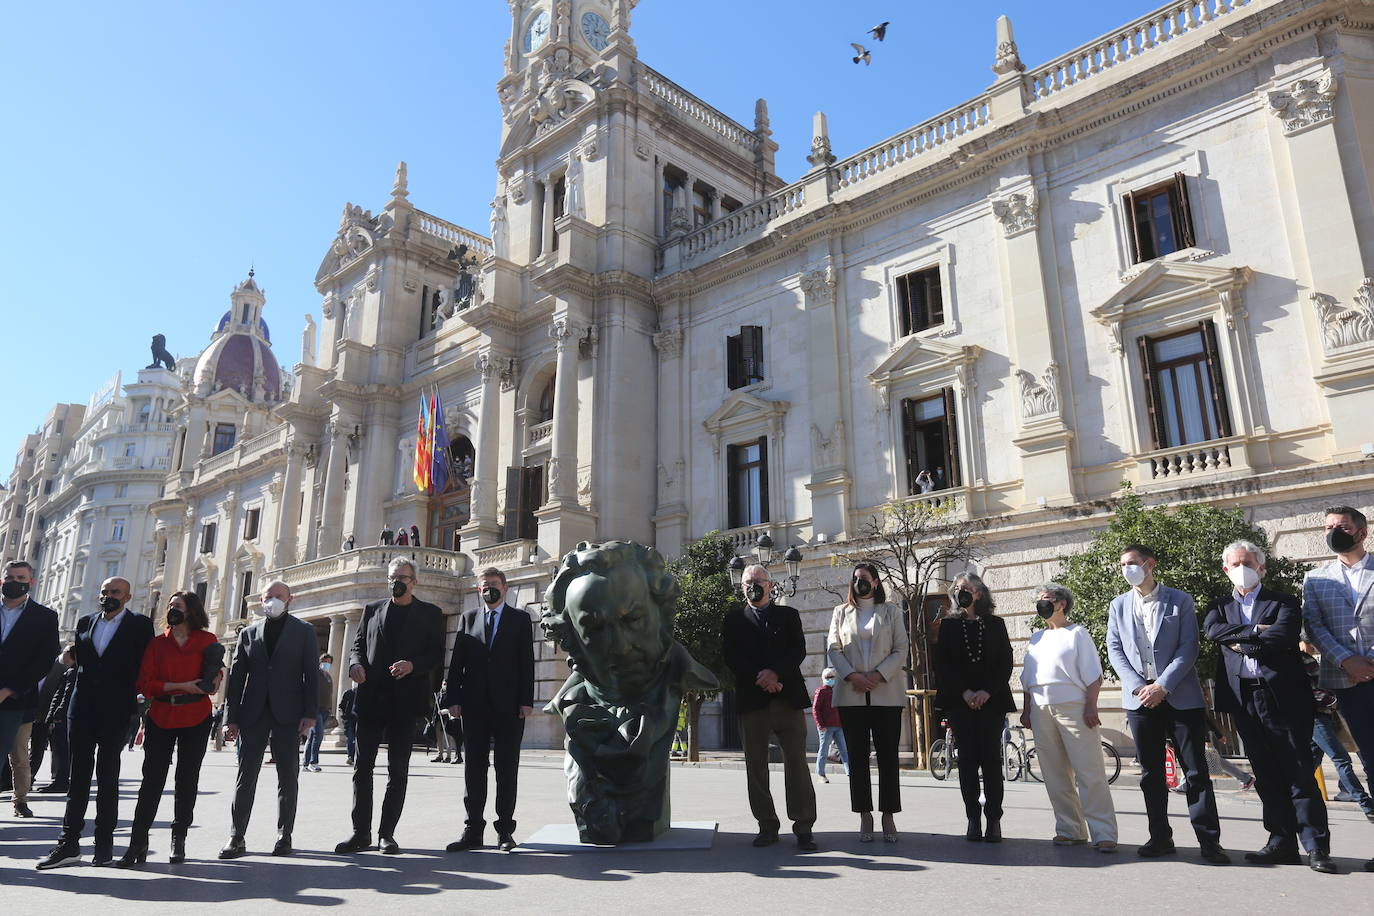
{"x": 241, "y": 362}
{"x": 228, "y": 316}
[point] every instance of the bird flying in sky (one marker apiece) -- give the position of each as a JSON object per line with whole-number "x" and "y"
{"x": 861, "y": 54}
{"x": 879, "y": 31}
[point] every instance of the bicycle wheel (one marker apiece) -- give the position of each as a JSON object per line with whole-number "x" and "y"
{"x": 941, "y": 758}
{"x": 1032, "y": 767}
{"x": 1012, "y": 762}
{"x": 1113, "y": 762}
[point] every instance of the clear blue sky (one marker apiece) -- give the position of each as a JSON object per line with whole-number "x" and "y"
{"x": 155, "y": 150}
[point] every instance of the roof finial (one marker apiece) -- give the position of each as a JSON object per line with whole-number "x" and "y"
{"x": 400, "y": 190}
{"x": 1007, "y": 60}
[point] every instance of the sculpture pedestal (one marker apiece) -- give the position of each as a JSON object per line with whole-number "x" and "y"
{"x": 682, "y": 835}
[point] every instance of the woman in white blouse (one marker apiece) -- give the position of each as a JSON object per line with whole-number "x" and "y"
{"x": 867, "y": 647}
{"x": 1060, "y": 679}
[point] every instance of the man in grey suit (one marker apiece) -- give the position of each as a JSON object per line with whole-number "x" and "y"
{"x": 272, "y": 695}
{"x": 1338, "y": 606}
{"x": 1152, "y": 641}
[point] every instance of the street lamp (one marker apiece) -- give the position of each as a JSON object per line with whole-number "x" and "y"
{"x": 763, "y": 547}
{"x": 737, "y": 570}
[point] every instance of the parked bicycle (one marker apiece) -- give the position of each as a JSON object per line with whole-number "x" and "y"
{"x": 1018, "y": 757}
{"x": 944, "y": 756}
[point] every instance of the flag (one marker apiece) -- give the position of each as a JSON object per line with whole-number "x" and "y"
{"x": 422, "y": 447}
{"x": 439, "y": 470}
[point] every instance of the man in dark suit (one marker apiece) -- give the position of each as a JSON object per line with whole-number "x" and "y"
{"x": 109, "y": 654}
{"x": 1152, "y": 642}
{"x": 764, "y": 646}
{"x": 1267, "y": 691}
{"x": 400, "y": 643}
{"x": 28, "y": 633}
{"x": 491, "y": 686}
{"x": 272, "y": 694}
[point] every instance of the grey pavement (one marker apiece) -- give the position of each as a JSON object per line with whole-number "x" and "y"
{"x": 932, "y": 865}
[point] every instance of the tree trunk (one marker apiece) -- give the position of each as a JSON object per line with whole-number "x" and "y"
{"x": 694, "y": 701}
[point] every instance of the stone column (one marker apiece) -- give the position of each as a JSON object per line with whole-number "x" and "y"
{"x": 331, "y": 521}
{"x": 284, "y": 550}
{"x": 715, "y": 205}
{"x": 484, "y": 527}
{"x": 224, "y": 548}
{"x": 347, "y": 625}
{"x": 670, "y": 521}
{"x": 660, "y": 218}
{"x": 563, "y": 442}
{"x": 546, "y": 242}
{"x": 830, "y": 482}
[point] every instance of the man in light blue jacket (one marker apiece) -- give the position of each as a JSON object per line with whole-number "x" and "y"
{"x": 1152, "y": 642}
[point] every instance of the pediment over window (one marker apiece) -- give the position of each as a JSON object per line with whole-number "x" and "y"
{"x": 742, "y": 408}
{"x": 922, "y": 359}
{"x": 1171, "y": 285}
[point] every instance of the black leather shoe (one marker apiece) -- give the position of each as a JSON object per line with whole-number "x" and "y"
{"x": 1156, "y": 848}
{"x": 136, "y": 854}
{"x": 766, "y": 838}
{"x": 1321, "y": 861}
{"x": 234, "y": 848}
{"x": 283, "y": 846}
{"x": 178, "y": 848}
{"x": 505, "y": 842}
{"x": 1216, "y": 855}
{"x": 355, "y": 843}
{"x": 1369, "y": 866}
{"x": 22, "y": 810}
{"x": 807, "y": 843}
{"x": 62, "y": 854}
{"x": 102, "y": 855}
{"x": 388, "y": 845}
{"x": 53, "y": 789}
{"x": 993, "y": 833}
{"x": 1274, "y": 854}
{"x": 469, "y": 841}
{"x": 974, "y": 833}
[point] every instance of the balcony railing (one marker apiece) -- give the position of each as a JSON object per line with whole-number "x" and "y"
{"x": 371, "y": 562}
{"x": 1199, "y": 459}
{"x": 538, "y": 433}
{"x": 509, "y": 555}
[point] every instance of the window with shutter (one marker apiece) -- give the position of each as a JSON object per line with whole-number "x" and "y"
{"x": 747, "y": 483}
{"x": 744, "y": 357}
{"x": 1160, "y": 218}
{"x": 931, "y": 442}
{"x": 920, "y": 301}
{"x": 1184, "y": 392}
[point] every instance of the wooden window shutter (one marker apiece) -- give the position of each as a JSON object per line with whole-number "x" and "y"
{"x": 1134, "y": 223}
{"x": 1223, "y": 414}
{"x": 511, "y": 527}
{"x": 909, "y": 443}
{"x": 905, "y": 324}
{"x": 955, "y": 476}
{"x": 935, "y": 297}
{"x": 733, "y": 372}
{"x": 1183, "y": 213}
{"x": 732, "y": 507}
{"x": 1151, "y": 395}
{"x": 763, "y": 479}
{"x": 756, "y": 351}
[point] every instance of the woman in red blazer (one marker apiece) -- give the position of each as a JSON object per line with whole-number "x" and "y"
{"x": 179, "y": 716}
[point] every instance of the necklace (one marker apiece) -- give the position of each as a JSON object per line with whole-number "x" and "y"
{"x": 975, "y": 654}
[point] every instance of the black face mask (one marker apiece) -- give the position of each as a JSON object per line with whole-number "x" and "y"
{"x": 176, "y": 617}
{"x": 964, "y": 598}
{"x": 398, "y": 589}
{"x": 754, "y": 592}
{"x": 1045, "y": 608}
{"x": 1339, "y": 540}
{"x": 14, "y": 589}
{"x": 109, "y": 604}
{"x": 491, "y": 594}
{"x": 863, "y": 588}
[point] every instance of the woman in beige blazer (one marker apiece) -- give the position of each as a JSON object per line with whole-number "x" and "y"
{"x": 867, "y": 646}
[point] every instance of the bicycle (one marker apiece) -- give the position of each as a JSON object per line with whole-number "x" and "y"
{"x": 944, "y": 756}
{"x": 1111, "y": 759}
{"x": 1014, "y": 752}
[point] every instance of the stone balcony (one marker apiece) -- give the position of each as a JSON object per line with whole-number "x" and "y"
{"x": 1193, "y": 463}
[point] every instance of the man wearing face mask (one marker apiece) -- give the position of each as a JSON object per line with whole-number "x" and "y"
{"x": 1264, "y": 687}
{"x": 109, "y": 655}
{"x": 400, "y": 643}
{"x": 271, "y": 698}
{"x": 28, "y": 633}
{"x": 491, "y": 686}
{"x": 1152, "y": 642}
{"x": 764, "y": 646}
{"x": 322, "y": 714}
{"x": 1338, "y": 605}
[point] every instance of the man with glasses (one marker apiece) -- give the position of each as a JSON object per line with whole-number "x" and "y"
{"x": 400, "y": 643}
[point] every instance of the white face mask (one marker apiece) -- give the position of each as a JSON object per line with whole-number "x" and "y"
{"x": 1243, "y": 577}
{"x": 273, "y": 607}
{"x": 1133, "y": 573}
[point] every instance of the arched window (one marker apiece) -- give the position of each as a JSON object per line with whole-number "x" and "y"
{"x": 546, "y": 401}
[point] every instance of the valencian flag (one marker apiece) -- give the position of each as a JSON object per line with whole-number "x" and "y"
{"x": 423, "y": 447}
{"x": 438, "y": 444}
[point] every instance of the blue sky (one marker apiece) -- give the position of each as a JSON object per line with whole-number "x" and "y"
{"x": 155, "y": 150}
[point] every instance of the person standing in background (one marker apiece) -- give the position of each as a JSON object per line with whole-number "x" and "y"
{"x": 828, "y": 728}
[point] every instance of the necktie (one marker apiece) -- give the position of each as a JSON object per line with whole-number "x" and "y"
{"x": 491, "y": 626}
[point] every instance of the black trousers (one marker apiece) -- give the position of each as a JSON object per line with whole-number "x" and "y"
{"x": 286, "y": 751}
{"x": 96, "y": 745}
{"x": 158, "y": 743}
{"x": 491, "y": 739}
{"x": 884, "y": 725}
{"x": 61, "y": 763}
{"x": 398, "y": 731}
{"x": 978, "y": 738}
{"x": 38, "y": 746}
{"x": 1280, "y": 752}
{"x": 1188, "y": 727}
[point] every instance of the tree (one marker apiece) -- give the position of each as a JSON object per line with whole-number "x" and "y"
{"x": 914, "y": 543}
{"x": 1188, "y": 541}
{"x": 703, "y": 575}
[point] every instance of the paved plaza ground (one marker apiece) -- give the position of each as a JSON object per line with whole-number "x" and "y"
{"x": 932, "y": 866}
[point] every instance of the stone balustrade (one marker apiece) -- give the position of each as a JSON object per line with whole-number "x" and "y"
{"x": 450, "y": 232}
{"x": 371, "y": 563}
{"x": 1127, "y": 43}
{"x": 508, "y": 555}
{"x": 944, "y": 128}
{"x": 1195, "y": 460}
{"x": 694, "y": 108}
{"x": 538, "y": 433}
{"x": 274, "y": 440}
{"x": 744, "y": 224}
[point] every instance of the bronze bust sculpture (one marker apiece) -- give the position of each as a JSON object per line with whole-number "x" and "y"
{"x": 611, "y": 608}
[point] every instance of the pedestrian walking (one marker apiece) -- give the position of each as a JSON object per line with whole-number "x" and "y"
{"x": 828, "y": 730}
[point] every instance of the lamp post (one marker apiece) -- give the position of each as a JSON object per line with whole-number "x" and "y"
{"x": 763, "y": 550}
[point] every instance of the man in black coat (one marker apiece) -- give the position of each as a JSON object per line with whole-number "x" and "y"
{"x": 491, "y": 687}
{"x": 764, "y": 646}
{"x": 55, "y": 714}
{"x": 400, "y": 643}
{"x": 271, "y": 698}
{"x": 28, "y": 634}
{"x": 109, "y": 654}
{"x": 1263, "y": 685}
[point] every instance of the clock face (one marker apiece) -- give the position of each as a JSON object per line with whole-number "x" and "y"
{"x": 596, "y": 30}
{"x": 538, "y": 32}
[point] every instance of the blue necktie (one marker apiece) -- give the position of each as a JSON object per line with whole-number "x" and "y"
{"x": 491, "y": 626}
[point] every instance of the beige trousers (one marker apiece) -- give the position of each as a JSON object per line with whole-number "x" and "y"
{"x": 19, "y": 764}
{"x": 1070, "y": 761}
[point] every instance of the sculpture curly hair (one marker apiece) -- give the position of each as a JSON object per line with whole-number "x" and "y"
{"x": 663, "y": 587}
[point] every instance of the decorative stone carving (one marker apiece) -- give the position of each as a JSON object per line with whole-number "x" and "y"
{"x": 1008, "y": 60}
{"x": 370, "y": 281}
{"x": 510, "y": 374}
{"x": 642, "y": 149}
{"x": 330, "y": 304}
{"x": 1039, "y": 397}
{"x": 1305, "y": 103}
{"x": 498, "y": 226}
{"x": 1016, "y": 212}
{"x": 487, "y": 365}
{"x": 668, "y": 342}
{"x": 1346, "y": 326}
{"x": 587, "y": 343}
{"x": 584, "y": 487}
{"x": 555, "y": 488}
{"x": 573, "y": 189}
{"x": 515, "y": 187}
{"x": 400, "y": 189}
{"x": 825, "y": 446}
{"x": 560, "y": 332}
{"x": 819, "y": 285}
{"x": 591, "y": 145}
{"x": 308, "y": 341}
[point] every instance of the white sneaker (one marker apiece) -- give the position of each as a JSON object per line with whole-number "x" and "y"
{"x": 315, "y": 768}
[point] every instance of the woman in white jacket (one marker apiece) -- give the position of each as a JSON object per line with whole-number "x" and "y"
{"x": 867, "y": 646}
